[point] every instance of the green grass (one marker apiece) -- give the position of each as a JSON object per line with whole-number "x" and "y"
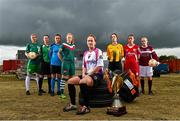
{"x": 15, "y": 105}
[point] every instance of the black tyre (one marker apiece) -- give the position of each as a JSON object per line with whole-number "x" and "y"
{"x": 98, "y": 96}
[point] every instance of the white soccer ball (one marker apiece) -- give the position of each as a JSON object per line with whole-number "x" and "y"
{"x": 32, "y": 55}
{"x": 153, "y": 63}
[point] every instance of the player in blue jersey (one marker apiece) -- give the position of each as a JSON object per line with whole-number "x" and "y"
{"x": 55, "y": 63}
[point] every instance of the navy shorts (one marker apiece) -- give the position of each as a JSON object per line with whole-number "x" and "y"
{"x": 55, "y": 69}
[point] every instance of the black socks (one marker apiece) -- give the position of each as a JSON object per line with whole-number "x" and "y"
{"x": 40, "y": 82}
{"x": 84, "y": 92}
{"x": 142, "y": 85}
{"x": 72, "y": 93}
{"x": 49, "y": 84}
{"x": 150, "y": 85}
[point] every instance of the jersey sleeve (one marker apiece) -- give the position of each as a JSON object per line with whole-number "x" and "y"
{"x": 122, "y": 51}
{"x": 27, "y": 48}
{"x": 100, "y": 58}
{"x": 84, "y": 63}
{"x": 50, "y": 51}
{"x": 61, "y": 49}
{"x": 108, "y": 53}
{"x": 154, "y": 55}
{"x": 138, "y": 52}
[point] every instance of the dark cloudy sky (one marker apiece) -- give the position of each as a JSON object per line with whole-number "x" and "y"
{"x": 157, "y": 19}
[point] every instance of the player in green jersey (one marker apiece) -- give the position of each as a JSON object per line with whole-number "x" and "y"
{"x": 66, "y": 54}
{"x": 45, "y": 65}
{"x": 32, "y": 48}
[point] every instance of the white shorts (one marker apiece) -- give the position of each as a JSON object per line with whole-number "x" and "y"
{"x": 146, "y": 71}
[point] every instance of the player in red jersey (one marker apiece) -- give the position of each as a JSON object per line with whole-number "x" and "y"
{"x": 132, "y": 55}
{"x": 147, "y": 53}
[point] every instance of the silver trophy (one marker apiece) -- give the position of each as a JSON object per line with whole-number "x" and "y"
{"x": 117, "y": 108}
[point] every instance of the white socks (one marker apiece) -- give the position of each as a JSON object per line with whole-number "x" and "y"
{"x": 27, "y": 81}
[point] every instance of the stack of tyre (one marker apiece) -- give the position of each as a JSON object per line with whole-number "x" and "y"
{"x": 99, "y": 96}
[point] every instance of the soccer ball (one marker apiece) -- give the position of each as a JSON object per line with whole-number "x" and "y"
{"x": 153, "y": 63}
{"x": 32, "y": 55}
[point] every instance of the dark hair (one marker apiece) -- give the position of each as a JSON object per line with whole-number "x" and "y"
{"x": 58, "y": 35}
{"x": 92, "y": 35}
{"x": 46, "y": 35}
{"x": 131, "y": 35}
{"x": 115, "y": 34}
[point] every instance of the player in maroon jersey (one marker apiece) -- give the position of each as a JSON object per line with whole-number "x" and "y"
{"x": 146, "y": 53}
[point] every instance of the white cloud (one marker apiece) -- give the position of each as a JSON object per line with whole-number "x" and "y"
{"x": 168, "y": 51}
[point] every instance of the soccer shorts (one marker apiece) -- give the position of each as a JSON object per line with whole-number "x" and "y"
{"x": 146, "y": 71}
{"x": 33, "y": 68}
{"x": 133, "y": 66}
{"x": 68, "y": 68}
{"x": 45, "y": 68}
{"x": 97, "y": 79}
{"x": 55, "y": 69}
{"x": 115, "y": 66}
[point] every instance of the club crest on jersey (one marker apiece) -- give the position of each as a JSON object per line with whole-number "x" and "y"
{"x": 89, "y": 56}
{"x": 100, "y": 57}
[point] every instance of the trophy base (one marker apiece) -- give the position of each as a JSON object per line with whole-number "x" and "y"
{"x": 116, "y": 111}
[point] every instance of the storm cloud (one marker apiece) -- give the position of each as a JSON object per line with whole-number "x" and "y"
{"x": 157, "y": 19}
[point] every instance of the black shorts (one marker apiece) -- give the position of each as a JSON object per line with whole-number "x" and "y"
{"x": 55, "y": 69}
{"x": 115, "y": 66}
{"x": 45, "y": 68}
{"x": 97, "y": 79}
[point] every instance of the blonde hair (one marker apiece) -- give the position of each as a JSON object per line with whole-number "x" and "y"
{"x": 72, "y": 37}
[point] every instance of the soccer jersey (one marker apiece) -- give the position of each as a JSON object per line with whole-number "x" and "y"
{"x": 67, "y": 50}
{"x": 33, "y": 47}
{"x": 92, "y": 60}
{"x": 115, "y": 52}
{"x": 54, "y": 59}
{"x": 131, "y": 59}
{"x": 45, "y": 53}
{"x": 146, "y": 54}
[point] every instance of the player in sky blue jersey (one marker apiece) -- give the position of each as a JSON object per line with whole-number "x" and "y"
{"x": 55, "y": 63}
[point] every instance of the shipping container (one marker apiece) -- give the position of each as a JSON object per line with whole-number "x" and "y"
{"x": 174, "y": 65}
{"x": 6, "y": 65}
{"x": 9, "y": 65}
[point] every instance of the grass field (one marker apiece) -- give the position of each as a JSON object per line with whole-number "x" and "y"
{"x": 15, "y": 105}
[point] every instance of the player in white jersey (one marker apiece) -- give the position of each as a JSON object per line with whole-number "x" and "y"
{"x": 92, "y": 73}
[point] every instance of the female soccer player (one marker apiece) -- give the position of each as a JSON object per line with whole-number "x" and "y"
{"x": 147, "y": 53}
{"x": 92, "y": 73}
{"x": 132, "y": 54}
{"x": 66, "y": 54}
{"x": 115, "y": 53}
{"x": 45, "y": 64}
{"x": 55, "y": 64}
{"x": 33, "y": 64}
